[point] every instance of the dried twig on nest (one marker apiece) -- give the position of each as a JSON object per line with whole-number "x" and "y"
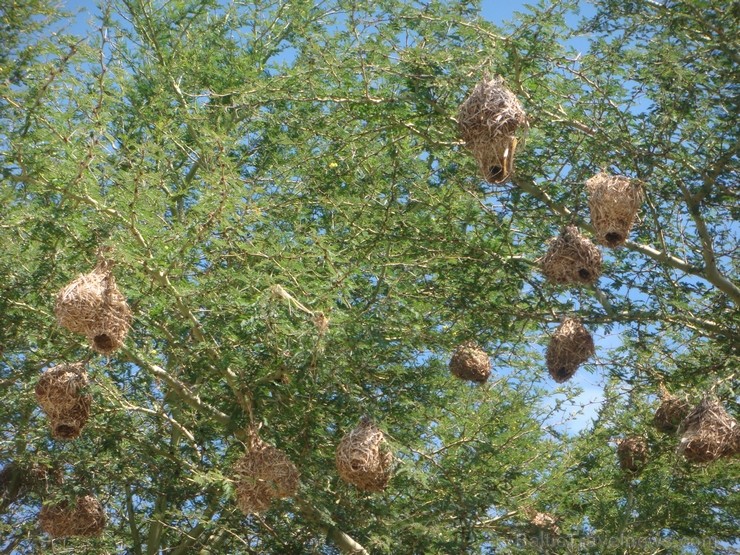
{"x": 571, "y": 259}
{"x": 613, "y": 201}
{"x": 570, "y": 346}
{"x": 470, "y": 362}
{"x": 363, "y": 458}
{"x": 59, "y": 393}
{"x": 709, "y": 433}
{"x": 632, "y": 453}
{"x": 86, "y": 518}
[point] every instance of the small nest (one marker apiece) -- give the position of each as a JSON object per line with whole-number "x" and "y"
{"x": 363, "y": 458}
{"x": 59, "y": 394}
{"x": 86, "y": 518}
{"x": 470, "y": 362}
{"x": 488, "y": 121}
{"x": 93, "y": 306}
{"x": 632, "y": 453}
{"x": 570, "y": 346}
{"x": 709, "y": 433}
{"x": 263, "y": 474}
{"x": 613, "y": 201}
{"x": 670, "y": 413}
{"x": 545, "y": 522}
{"x": 571, "y": 259}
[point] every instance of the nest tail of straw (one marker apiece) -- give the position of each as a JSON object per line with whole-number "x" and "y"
{"x": 570, "y": 346}
{"x": 470, "y": 362}
{"x": 92, "y": 305}
{"x": 613, "y": 201}
{"x": 262, "y": 475}
{"x": 632, "y": 453}
{"x": 85, "y": 519}
{"x": 363, "y": 459}
{"x": 670, "y": 413}
{"x": 571, "y": 259}
{"x": 489, "y": 120}
{"x": 59, "y": 393}
{"x": 708, "y": 432}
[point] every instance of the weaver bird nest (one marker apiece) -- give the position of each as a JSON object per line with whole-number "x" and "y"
{"x": 93, "y": 306}
{"x": 86, "y": 518}
{"x": 262, "y": 475}
{"x": 571, "y": 259}
{"x": 489, "y": 120}
{"x": 613, "y": 201}
{"x": 570, "y": 346}
{"x": 16, "y": 480}
{"x": 708, "y": 433}
{"x": 59, "y": 393}
{"x": 363, "y": 458}
{"x": 670, "y": 413}
{"x": 544, "y": 522}
{"x": 470, "y": 362}
{"x": 632, "y": 453}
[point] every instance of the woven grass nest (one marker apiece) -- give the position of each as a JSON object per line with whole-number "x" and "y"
{"x": 262, "y": 475}
{"x": 613, "y": 201}
{"x": 93, "y": 306}
{"x": 708, "y": 433}
{"x": 571, "y": 259}
{"x": 570, "y": 346}
{"x": 470, "y": 362}
{"x": 489, "y": 120}
{"x": 363, "y": 458}
{"x": 86, "y": 518}
{"x": 16, "y": 480}
{"x": 544, "y": 522}
{"x": 632, "y": 453}
{"x": 59, "y": 393}
{"x": 670, "y": 413}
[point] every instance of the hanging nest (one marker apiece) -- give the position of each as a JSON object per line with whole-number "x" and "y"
{"x": 670, "y": 413}
{"x": 263, "y": 474}
{"x": 86, "y": 518}
{"x": 571, "y": 259}
{"x": 16, "y": 480}
{"x": 363, "y": 458}
{"x": 59, "y": 393}
{"x": 570, "y": 346}
{"x": 613, "y": 201}
{"x": 709, "y": 433}
{"x": 93, "y": 306}
{"x": 470, "y": 362}
{"x": 488, "y": 121}
{"x": 544, "y": 522}
{"x": 632, "y": 453}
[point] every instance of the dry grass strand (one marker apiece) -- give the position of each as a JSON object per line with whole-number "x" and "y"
{"x": 613, "y": 201}
{"x": 570, "y": 346}
{"x": 571, "y": 259}
{"x": 363, "y": 458}
{"x": 470, "y": 362}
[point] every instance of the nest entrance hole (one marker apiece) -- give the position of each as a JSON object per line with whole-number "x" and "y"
{"x": 103, "y": 342}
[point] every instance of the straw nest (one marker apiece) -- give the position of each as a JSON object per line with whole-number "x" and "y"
{"x": 708, "y": 433}
{"x": 16, "y": 480}
{"x": 86, "y": 518}
{"x": 613, "y": 201}
{"x": 470, "y": 362}
{"x": 670, "y": 413}
{"x": 571, "y": 259}
{"x": 59, "y": 393}
{"x": 262, "y": 475}
{"x": 545, "y": 522}
{"x": 488, "y": 121}
{"x": 363, "y": 458}
{"x": 632, "y": 453}
{"x": 570, "y": 346}
{"x": 93, "y": 306}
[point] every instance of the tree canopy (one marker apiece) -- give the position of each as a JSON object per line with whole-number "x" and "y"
{"x": 303, "y": 240}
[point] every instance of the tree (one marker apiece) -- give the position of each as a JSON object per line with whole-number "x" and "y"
{"x": 258, "y": 169}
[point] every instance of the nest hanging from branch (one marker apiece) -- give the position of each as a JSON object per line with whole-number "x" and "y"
{"x": 613, "y": 201}
{"x": 363, "y": 458}
{"x": 544, "y": 522}
{"x": 488, "y": 121}
{"x": 708, "y": 433}
{"x": 632, "y": 453}
{"x": 59, "y": 393}
{"x": 93, "y": 306}
{"x": 571, "y": 259}
{"x": 262, "y": 475}
{"x": 16, "y": 480}
{"x": 570, "y": 346}
{"x": 85, "y": 519}
{"x": 670, "y": 413}
{"x": 470, "y": 362}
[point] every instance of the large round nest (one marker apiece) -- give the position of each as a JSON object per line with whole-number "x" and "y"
{"x": 570, "y": 346}
{"x": 470, "y": 362}
{"x": 93, "y": 306}
{"x": 363, "y": 458}
{"x": 708, "y": 433}
{"x": 613, "y": 201}
{"x": 632, "y": 453}
{"x": 488, "y": 121}
{"x": 670, "y": 413}
{"x": 60, "y": 395}
{"x": 86, "y": 518}
{"x": 263, "y": 474}
{"x": 571, "y": 259}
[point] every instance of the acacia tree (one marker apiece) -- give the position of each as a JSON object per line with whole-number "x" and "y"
{"x": 258, "y": 169}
